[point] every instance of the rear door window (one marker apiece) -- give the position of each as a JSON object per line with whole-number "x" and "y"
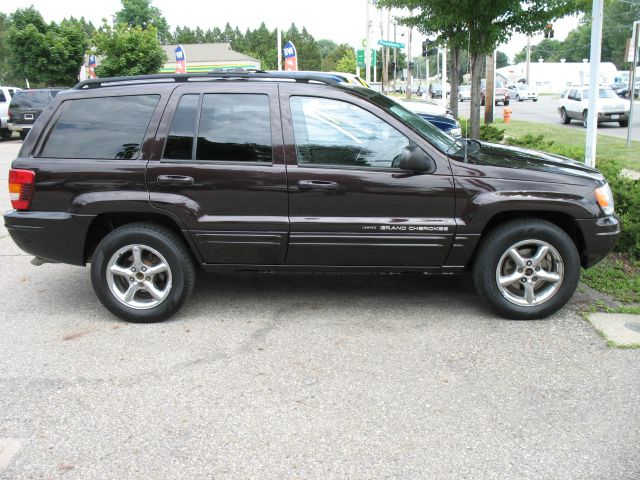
{"x": 31, "y": 99}
{"x": 101, "y": 128}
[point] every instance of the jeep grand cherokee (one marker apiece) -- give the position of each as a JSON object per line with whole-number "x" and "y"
{"x": 146, "y": 177}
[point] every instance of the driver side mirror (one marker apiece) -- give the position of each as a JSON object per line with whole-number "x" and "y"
{"x": 415, "y": 160}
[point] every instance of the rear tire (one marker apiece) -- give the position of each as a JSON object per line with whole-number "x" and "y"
{"x": 142, "y": 272}
{"x": 518, "y": 98}
{"x": 512, "y": 284}
{"x": 23, "y": 134}
{"x": 5, "y": 133}
{"x": 624, "y": 123}
{"x": 584, "y": 118}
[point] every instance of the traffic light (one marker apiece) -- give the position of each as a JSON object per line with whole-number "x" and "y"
{"x": 548, "y": 31}
{"x": 411, "y": 65}
{"x": 425, "y": 48}
{"x": 393, "y": 66}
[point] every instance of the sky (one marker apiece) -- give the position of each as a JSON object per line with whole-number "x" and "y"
{"x": 342, "y": 21}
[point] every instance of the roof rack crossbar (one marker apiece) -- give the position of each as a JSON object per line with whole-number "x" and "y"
{"x": 186, "y": 77}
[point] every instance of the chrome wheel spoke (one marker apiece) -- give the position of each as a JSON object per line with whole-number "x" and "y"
{"x": 548, "y": 276}
{"x": 118, "y": 270}
{"x": 137, "y": 257}
{"x": 516, "y": 257}
{"x": 154, "y": 292}
{"x": 540, "y": 254}
{"x": 507, "y": 280}
{"x": 156, "y": 269}
{"x": 131, "y": 292}
{"x": 529, "y": 294}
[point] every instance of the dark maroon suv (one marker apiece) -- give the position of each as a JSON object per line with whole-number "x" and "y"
{"x": 147, "y": 177}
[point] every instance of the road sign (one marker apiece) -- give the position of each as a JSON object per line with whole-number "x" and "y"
{"x": 360, "y": 58}
{"x": 374, "y": 57}
{"x": 387, "y": 43}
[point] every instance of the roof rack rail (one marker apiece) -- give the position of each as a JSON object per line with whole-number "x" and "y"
{"x": 191, "y": 77}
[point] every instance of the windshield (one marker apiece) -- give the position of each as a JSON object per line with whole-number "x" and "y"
{"x": 31, "y": 99}
{"x": 603, "y": 93}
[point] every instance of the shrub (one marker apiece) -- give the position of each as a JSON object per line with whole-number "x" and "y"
{"x": 488, "y": 132}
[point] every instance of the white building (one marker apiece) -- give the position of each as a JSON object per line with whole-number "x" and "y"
{"x": 553, "y": 77}
{"x": 202, "y": 57}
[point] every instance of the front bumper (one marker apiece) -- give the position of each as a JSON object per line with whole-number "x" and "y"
{"x": 600, "y": 236}
{"x": 54, "y": 236}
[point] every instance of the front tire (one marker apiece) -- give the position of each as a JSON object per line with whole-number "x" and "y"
{"x": 564, "y": 118}
{"x": 142, "y": 272}
{"x": 526, "y": 269}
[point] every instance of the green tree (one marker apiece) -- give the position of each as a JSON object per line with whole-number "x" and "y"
{"x": 502, "y": 60}
{"x": 128, "y": 50}
{"x": 44, "y": 54}
{"x": 483, "y": 25}
{"x": 261, "y": 44}
{"x": 140, "y": 13}
{"x": 331, "y": 60}
{"x": 308, "y": 51}
{"x": 347, "y": 62}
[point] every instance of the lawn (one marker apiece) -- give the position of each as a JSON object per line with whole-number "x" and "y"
{"x": 608, "y": 148}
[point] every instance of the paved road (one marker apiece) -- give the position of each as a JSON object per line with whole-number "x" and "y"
{"x": 301, "y": 376}
{"x": 545, "y": 111}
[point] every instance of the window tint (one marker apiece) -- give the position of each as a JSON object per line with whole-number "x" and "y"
{"x": 332, "y": 132}
{"x": 31, "y": 99}
{"x": 235, "y": 128}
{"x": 109, "y": 127}
{"x": 183, "y": 126}
{"x": 2, "y": 97}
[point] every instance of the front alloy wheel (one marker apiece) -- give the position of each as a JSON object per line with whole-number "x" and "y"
{"x": 526, "y": 269}
{"x": 529, "y": 273}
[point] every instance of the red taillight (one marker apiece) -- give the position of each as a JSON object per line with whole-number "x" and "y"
{"x": 10, "y": 114}
{"x": 21, "y": 186}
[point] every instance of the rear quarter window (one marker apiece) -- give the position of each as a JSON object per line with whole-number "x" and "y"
{"x": 101, "y": 128}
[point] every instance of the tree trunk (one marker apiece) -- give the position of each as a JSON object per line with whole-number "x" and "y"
{"x": 477, "y": 65}
{"x": 455, "y": 80}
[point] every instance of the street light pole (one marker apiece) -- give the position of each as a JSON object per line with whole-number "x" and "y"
{"x": 594, "y": 80}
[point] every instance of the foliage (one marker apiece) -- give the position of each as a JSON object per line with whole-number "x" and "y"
{"x": 347, "y": 63}
{"x": 47, "y": 55}
{"x": 480, "y": 25}
{"x": 616, "y": 28}
{"x": 128, "y": 50}
{"x": 140, "y": 13}
{"x": 488, "y": 133}
{"x": 616, "y": 276}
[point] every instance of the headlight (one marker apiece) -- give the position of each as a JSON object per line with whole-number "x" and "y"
{"x": 456, "y": 132}
{"x": 604, "y": 197}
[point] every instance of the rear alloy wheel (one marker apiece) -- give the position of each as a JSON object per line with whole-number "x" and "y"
{"x": 564, "y": 118}
{"x": 142, "y": 272}
{"x": 526, "y": 269}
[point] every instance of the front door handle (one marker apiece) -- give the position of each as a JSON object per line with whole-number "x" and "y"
{"x": 317, "y": 185}
{"x": 174, "y": 180}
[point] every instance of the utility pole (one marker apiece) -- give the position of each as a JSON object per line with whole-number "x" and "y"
{"x": 594, "y": 80}
{"x": 409, "y": 79}
{"x": 632, "y": 77}
{"x": 279, "y": 49}
{"x": 395, "y": 59}
{"x": 528, "y": 69}
{"x": 444, "y": 76}
{"x": 489, "y": 92}
{"x": 367, "y": 47}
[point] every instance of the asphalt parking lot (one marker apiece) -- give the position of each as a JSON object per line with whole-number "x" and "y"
{"x": 302, "y": 376}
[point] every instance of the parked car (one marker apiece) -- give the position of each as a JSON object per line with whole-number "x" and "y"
{"x": 438, "y": 115}
{"x": 574, "y": 104}
{"x": 145, "y": 178}
{"x": 521, "y": 92}
{"x": 435, "y": 90}
{"x": 623, "y": 92}
{"x": 500, "y": 93}
{"x": 464, "y": 93}
{"x": 6, "y": 94}
{"x": 26, "y": 106}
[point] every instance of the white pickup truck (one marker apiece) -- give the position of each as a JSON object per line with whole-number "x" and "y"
{"x": 5, "y": 99}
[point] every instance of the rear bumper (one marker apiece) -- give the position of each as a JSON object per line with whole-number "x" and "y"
{"x": 600, "y": 236}
{"x": 609, "y": 117}
{"x": 19, "y": 127}
{"x": 55, "y": 236}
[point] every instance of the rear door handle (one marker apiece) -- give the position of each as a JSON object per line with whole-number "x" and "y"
{"x": 317, "y": 185}
{"x": 174, "y": 180}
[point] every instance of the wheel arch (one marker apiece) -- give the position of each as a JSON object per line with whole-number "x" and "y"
{"x": 562, "y": 220}
{"x": 104, "y": 223}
